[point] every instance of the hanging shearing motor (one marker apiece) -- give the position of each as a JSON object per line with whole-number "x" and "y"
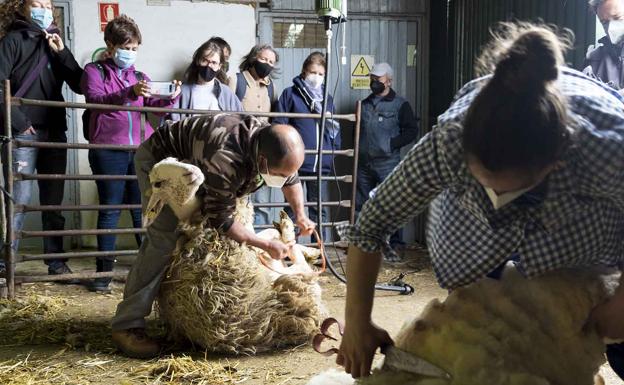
{"x": 336, "y": 10}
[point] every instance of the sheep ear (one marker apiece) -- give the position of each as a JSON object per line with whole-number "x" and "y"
{"x": 154, "y": 207}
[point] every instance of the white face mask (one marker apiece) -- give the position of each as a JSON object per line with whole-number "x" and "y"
{"x": 500, "y": 200}
{"x": 273, "y": 180}
{"x": 314, "y": 80}
{"x": 615, "y": 30}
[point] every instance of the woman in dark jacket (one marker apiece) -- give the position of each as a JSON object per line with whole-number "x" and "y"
{"x": 306, "y": 96}
{"x": 34, "y": 58}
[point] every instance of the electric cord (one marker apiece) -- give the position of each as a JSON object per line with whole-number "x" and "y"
{"x": 397, "y": 285}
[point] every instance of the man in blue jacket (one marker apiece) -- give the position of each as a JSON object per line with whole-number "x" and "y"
{"x": 388, "y": 124}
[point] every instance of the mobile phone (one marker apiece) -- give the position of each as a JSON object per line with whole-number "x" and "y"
{"x": 163, "y": 90}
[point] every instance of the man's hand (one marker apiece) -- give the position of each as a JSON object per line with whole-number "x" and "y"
{"x": 608, "y": 318}
{"x": 55, "y": 42}
{"x": 359, "y": 343}
{"x": 278, "y": 249}
{"x": 141, "y": 89}
{"x": 306, "y": 226}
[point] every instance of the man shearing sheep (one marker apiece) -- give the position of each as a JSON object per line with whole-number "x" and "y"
{"x": 237, "y": 155}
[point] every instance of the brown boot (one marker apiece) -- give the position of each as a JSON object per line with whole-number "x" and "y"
{"x": 135, "y": 343}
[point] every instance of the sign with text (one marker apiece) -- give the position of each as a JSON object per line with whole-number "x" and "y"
{"x": 360, "y": 71}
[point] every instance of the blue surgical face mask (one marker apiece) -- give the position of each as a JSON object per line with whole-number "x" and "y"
{"x": 43, "y": 17}
{"x": 124, "y": 58}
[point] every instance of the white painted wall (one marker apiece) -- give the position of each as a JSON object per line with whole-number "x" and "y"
{"x": 170, "y": 36}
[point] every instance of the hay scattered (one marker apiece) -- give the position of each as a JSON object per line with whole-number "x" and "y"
{"x": 55, "y": 370}
{"x": 40, "y": 319}
{"x": 186, "y": 370}
{"x": 217, "y": 296}
{"x": 36, "y": 319}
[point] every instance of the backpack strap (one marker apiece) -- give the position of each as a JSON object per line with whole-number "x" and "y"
{"x": 32, "y": 76}
{"x": 241, "y": 86}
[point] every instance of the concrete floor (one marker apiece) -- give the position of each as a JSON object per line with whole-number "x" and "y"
{"x": 289, "y": 366}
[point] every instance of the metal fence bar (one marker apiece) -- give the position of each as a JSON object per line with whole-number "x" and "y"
{"x": 58, "y": 233}
{"x": 9, "y": 253}
{"x": 76, "y": 146}
{"x": 20, "y": 176}
{"x": 356, "y": 150}
{"x": 142, "y": 132}
{"x": 343, "y": 203}
{"x": 87, "y": 146}
{"x": 80, "y": 254}
{"x": 163, "y": 110}
{"x": 67, "y": 277}
{"x": 31, "y": 208}
{"x": 329, "y": 224}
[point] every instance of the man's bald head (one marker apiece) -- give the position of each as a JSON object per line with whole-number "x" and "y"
{"x": 282, "y": 147}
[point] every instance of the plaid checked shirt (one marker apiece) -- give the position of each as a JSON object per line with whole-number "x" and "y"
{"x": 575, "y": 218}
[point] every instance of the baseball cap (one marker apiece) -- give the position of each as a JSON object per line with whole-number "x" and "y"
{"x": 381, "y": 69}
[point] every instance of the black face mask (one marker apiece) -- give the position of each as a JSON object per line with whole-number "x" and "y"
{"x": 262, "y": 69}
{"x": 207, "y": 73}
{"x": 377, "y": 87}
{"x": 225, "y": 67}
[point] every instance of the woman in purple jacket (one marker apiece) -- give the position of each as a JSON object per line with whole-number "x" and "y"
{"x": 115, "y": 81}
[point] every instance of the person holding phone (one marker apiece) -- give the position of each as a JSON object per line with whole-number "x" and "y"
{"x": 116, "y": 81}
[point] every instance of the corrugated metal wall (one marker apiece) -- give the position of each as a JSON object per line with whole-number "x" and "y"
{"x": 358, "y": 6}
{"x": 383, "y": 29}
{"x": 471, "y": 19}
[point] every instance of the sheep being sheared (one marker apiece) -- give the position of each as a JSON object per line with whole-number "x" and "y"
{"x": 513, "y": 331}
{"x": 216, "y": 293}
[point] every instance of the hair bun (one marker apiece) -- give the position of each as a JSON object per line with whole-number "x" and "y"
{"x": 531, "y": 62}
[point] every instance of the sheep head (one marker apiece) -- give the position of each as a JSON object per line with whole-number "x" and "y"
{"x": 174, "y": 183}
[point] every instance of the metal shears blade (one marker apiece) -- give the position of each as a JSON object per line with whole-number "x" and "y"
{"x": 395, "y": 358}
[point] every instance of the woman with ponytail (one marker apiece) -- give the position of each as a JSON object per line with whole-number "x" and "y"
{"x": 525, "y": 167}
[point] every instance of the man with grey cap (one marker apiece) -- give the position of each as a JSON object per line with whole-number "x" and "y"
{"x": 388, "y": 124}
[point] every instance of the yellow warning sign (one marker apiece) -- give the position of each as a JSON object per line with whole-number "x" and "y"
{"x": 360, "y": 70}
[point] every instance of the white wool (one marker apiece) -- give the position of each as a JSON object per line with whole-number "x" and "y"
{"x": 332, "y": 377}
{"x": 513, "y": 331}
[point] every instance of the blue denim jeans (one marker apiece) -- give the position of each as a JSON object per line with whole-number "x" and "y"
{"x": 311, "y": 195}
{"x": 114, "y": 162}
{"x": 370, "y": 173}
{"x": 44, "y": 161}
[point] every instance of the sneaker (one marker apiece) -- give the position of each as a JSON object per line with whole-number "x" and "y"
{"x": 59, "y": 268}
{"x": 134, "y": 343}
